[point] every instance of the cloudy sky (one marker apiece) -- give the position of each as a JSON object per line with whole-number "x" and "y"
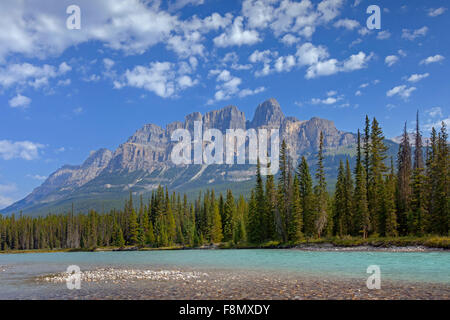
{"x": 65, "y": 92}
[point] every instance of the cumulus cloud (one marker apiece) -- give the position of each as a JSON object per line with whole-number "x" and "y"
{"x": 391, "y": 60}
{"x": 434, "y": 12}
{"x": 432, "y": 59}
{"x": 413, "y": 34}
{"x": 434, "y": 112}
{"x": 436, "y": 124}
{"x": 417, "y": 77}
{"x": 298, "y": 18}
{"x": 332, "y": 66}
{"x": 229, "y": 86}
{"x": 402, "y": 91}
{"x": 383, "y": 35}
{"x": 36, "y": 177}
{"x": 26, "y": 74}
{"x": 19, "y": 101}
{"x": 25, "y": 150}
{"x": 332, "y": 98}
{"x": 179, "y": 4}
{"x": 236, "y": 35}
{"x": 347, "y": 24}
{"x": 160, "y": 78}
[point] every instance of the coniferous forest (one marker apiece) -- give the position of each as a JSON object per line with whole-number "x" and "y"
{"x": 374, "y": 197}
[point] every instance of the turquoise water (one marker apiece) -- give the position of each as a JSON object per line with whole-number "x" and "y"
{"x": 408, "y": 266}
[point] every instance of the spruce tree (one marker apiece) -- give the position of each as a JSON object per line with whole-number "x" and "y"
{"x": 377, "y": 169}
{"x": 321, "y": 197}
{"x": 403, "y": 189}
{"x": 306, "y": 197}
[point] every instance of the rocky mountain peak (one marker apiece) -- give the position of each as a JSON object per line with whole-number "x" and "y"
{"x": 227, "y": 118}
{"x": 99, "y": 158}
{"x": 268, "y": 113}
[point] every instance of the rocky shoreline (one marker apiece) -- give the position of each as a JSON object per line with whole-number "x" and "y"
{"x": 135, "y": 284}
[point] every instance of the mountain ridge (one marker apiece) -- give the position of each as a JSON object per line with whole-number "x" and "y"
{"x": 143, "y": 162}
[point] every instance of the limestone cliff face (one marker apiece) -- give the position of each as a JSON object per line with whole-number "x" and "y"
{"x": 268, "y": 114}
{"x": 68, "y": 178}
{"x": 147, "y": 154}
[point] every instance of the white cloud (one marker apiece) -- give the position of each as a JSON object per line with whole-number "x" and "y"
{"x": 327, "y": 101}
{"x": 5, "y": 201}
{"x": 436, "y": 124}
{"x": 413, "y": 34}
{"x": 108, "y": 63}
{"x": 308, "y": 54}
{"x": 299, "y": 18}
{"x": 402, "y": 91}
{"x": 26, "y": 74}
{"x": 19, "y": 150}
{"x": 228, "y": 86}
{"x": 78, "y": 110}
{"x": 436, "y": 12}
{"x": 178, "y": 4}
{"x": 19, "y": 101}
{"x": 417, "y": 77}
{"x": 383, "y": 35}
{"x": 160, "y": 78}
{"x": 347, "y": 24}
{"x": 432, "y": 59}
{"x": 290, "y": 39}
{"x": 434, "y": 112}
{"x": 333, "y": 66}
{"x": 39, "y": 31}
{"x": 262, "y": 56}
{"x": 391, "y": 60}
{"x": 284, "y": 64}
{"x": 249, "y": 92}
{"x": 237, "y": 36}
{"x": 332, "y": 98}
{"x": 36, "y": 177}
{"x": 64, "y": 83}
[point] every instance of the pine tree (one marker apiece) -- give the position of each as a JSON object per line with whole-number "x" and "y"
{"x": 321, "y": 197}
{"x": 348, "y": 193}
{"x": 216, "y": 232}
{"x": 361, "y": 212}
{"x": 296, "y": 221}
{"x": 417, "y": 219}
{"x": 229, "y": 212}
{"x": 306, "y": 198}
{"x": 389, "y": 204}
{"x": 377, "y": 168}
{"x": 283, "y": 204}
{"x": 270, "y": 205}
{"x": 403, "y": 190}
{"x": 339, "y": 203}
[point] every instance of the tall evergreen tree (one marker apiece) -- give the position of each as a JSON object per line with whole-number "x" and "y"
{"x": 321, "y": 197}
{"x": 403, "y": 190}
{"x": 306, "y": 198}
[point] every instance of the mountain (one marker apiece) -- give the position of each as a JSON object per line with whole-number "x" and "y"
{"x": 143, "y": 162}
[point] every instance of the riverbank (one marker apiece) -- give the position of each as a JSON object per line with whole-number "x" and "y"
{"x": 399, "y": 244}
{"x": 135, "y": 284}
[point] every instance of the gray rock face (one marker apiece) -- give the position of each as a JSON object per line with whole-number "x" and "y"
{"x": 268, "y": 113}
{"x": 68, "y": 178}
{"x": 147, "y": 154}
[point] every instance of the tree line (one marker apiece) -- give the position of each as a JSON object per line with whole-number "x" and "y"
{"x": 375, "y": 198}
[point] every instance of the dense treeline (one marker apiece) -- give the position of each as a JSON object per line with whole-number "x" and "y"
{"x": 372, "y": 199}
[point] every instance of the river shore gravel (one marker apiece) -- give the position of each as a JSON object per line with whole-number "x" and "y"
{"x": 139, "y": 284}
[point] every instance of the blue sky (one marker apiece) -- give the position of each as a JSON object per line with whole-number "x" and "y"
{"x": 64, "y": 93}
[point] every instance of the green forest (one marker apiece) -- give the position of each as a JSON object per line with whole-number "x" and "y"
{"x": 374, "y": 197}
